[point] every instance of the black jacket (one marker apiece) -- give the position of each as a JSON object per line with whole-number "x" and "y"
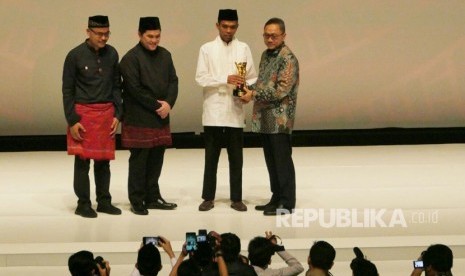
{"x": 148, "y": 76}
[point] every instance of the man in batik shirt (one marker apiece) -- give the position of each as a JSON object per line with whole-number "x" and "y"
{"x": 275, "y": 98}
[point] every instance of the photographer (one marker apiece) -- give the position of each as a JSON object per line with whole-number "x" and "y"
{"x": 228, "y": 249}
{"x": 261, "y": 249}
{"x": 437, "y": 260}
{"x": 82, "y": 263}
{"x": 361, "y": 266}
{"x": 207, "y": 258}
{"x": 148, "y": 257}
{"x": 187, "y": 267}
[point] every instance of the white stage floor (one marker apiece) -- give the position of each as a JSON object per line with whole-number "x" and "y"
{"x": 393, "y": 201}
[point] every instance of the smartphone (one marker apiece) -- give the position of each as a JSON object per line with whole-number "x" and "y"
{"x": 154, "y": 240}
{"x": 417, "y": 264}
{"x": 191, "y": 241}
{"x": 202, "y": 236}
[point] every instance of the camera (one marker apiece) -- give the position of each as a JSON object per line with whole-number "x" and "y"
{"x": 417, "y": 264}
{"x": 100, "y": 262}
{"x": 154, "y": 240}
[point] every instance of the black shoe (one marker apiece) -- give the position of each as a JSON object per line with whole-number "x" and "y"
{"x": 278, "y": 210}
{"x": 161, "y": 204}
{"x": 108, "y": 209}
{"x": 263, "y": 207}
{"x": 139, "y": 209}
{"x": 85, "y": 211}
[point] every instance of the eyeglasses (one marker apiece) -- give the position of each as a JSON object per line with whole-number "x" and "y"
{"x": 272, "y": 36}
{"x": 100, "y": 34}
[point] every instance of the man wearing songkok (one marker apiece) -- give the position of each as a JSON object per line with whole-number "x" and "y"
{"x": 150, "y": 89}
{"x": 92, "y": 104}
{"x": 223, "y": 113}
{"x": 275, "y": 99}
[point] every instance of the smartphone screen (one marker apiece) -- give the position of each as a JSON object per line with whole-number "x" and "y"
{"x": 417, "y": 264}
{"x": 202, "y": 236}
{"x": 147, "y": 240}
{"x": 191, "y": 241}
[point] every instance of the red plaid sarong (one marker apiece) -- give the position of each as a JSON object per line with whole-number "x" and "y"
{"x": 144, "y": 137}
{"x": 97, "y": 143}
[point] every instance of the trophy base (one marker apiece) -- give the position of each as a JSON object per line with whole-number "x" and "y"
{"x": 238, "y": 93}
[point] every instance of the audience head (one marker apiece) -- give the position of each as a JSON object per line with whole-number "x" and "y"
{"x": 82, "y": 263}
{"x": 230, "y": 246}
{"x": 149, "y": 260}
{"x": 437, "y": 258}
{"x": 322, "y": 255}
{"x": 361, "y": 266}
{"x": 189, "y": 268}
{"x": 261, "y": 250}
{"x": 203, "y": 255}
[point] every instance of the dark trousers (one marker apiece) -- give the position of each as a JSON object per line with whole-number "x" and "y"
{"x": 278, "y": 157}
{"x": 144, "y": 171}
{"x": 81, "y": 181}
{"x": 215, "y": 138}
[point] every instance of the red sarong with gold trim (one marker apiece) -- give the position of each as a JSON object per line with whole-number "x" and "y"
{"x": 97, "y": 143}
{"x": 143, "y": 137}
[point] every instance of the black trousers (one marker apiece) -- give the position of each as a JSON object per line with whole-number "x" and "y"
{"x": 215, "y": 138}
{"x": 278, "y": 157}
{"x": 144, "y": 171}
{"x": 81, "y": 181}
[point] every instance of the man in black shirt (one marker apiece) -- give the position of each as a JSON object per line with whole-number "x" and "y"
{"x": 92, "y": 105}
{"x": 150, "y": 89}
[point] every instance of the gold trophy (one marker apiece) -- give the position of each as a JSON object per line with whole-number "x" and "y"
{"x": 242, "y": 71}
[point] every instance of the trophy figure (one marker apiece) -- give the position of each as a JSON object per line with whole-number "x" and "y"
{"x": 241, "y": 70}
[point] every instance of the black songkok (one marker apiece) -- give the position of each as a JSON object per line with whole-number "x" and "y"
{"x": 229, "y": 15}
{"x": 98, "y": 21}
{"x": 149, "y": 23}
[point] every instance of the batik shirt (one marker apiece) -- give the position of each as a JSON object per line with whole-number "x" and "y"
{"x": 276, "y": 92}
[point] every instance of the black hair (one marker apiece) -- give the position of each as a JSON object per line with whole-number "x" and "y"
{"x": 231, "y": 247}
{"x": 203, "y": 256}
{"x": 439, "y": 256}
{"x": 322, "y": 255}
{"x": 81, "y": 263}
{"x": 148, "y": 260}
{"x": 277, "y": 21}
{"x": 260, "y": 251}
{"x": 361, "y": 266}
{"x": 189, "y": 268}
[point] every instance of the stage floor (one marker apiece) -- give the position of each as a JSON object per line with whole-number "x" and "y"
{"x": 381, "y": 198}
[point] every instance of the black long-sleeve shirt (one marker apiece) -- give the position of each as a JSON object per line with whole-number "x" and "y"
{"x": 148, "y": 76}
{"x": 91, "y": 76}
